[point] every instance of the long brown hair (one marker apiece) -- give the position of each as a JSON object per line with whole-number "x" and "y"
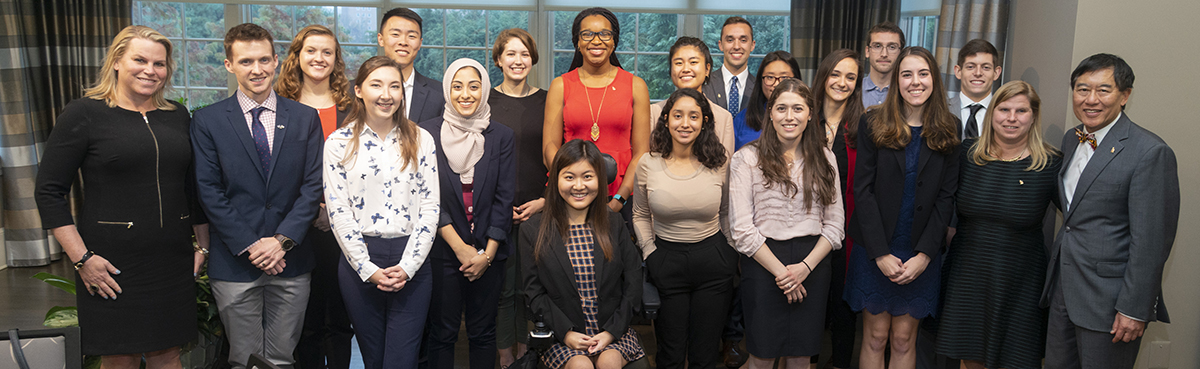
{"x": 817, "y": 175}
{"x": 854, "y": 109}
{"x": 555, "y": 218}
{"x": 291, "y": 77}
{"x": 888, "y": 128}
{"x": 1039, "y": 150}
{"x": 105, "y": 88}
{"x": 357, "y": 118}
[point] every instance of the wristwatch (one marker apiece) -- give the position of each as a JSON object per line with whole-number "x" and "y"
{"x": 286, "y": 242}
{"x": 620, "y": 199}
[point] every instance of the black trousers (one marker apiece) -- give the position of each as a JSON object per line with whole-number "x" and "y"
{"x": 842, "y": 322}
{"x": 455, "y": 299}
{"x": 325, "y": 338}
{"x": 695, "y": 283}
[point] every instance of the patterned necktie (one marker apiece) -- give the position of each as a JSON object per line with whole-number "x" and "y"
{"x": 972, "y": 125}
{"x": 260, "y": 138}
{"x": 1090, "y": 138}
{"x": 735, "y": 103}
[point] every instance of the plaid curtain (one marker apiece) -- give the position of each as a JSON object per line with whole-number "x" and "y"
{"x": 52, "y": 50}
{"x": 966, "y": 20}
{"x": 822, "y": 26}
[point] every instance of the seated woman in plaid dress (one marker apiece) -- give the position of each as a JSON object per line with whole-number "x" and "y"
{"x": 586, "y": 277}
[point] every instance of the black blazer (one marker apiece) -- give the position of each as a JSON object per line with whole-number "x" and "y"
{"x": 494, "y": 187}
{"x": 427, "y": 100}
{"x": 879, "y": 191}
{"x": 716, "y": 90}
{"x": 550, "y": 282}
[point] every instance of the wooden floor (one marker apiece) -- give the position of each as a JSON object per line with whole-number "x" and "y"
{"x": 24, "y": 300}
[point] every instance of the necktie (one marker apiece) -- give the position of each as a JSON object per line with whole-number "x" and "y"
{"x": 1090, "y": 138}
{"x": 260, "y": 138}
{"x": 735, "y": 103}
{"x": 972, "y": 130}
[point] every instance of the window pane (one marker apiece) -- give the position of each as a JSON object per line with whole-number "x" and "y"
{"x": 562, "y": 61}
{"x": 628, "y": 23}
{"x": 753, "y": 64}
{"x": 467, "y": 29}
{"x": 431, "y": 27}
{"x": 771, "y": 32}
{"x": 205, "y": 20}
{"x": 179, "y": 78}
{"x": 499, "y": 20}
{"x": 275, "y": 18}
{"x": 177, "y": 94}
{"x": 657, "y": 73}
{"x": 354, "y": 56}
{"x": 201, "y": 98}
{"x": 206, "y": 65}
{"x": 657, "y": 32}
{"x": 358, "y": 25}
{"x": 563, "y": 39}
{"x": 429, "y": 63}
{"x": 455, "y": 54}
{"x": 310, "y": 15}
{"x": 281, "y": 50}
{"x": 166, "y": 18}
{"x": 710, "y": 29}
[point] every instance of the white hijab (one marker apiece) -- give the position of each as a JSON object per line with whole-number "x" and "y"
{"x": 462, "y": 137}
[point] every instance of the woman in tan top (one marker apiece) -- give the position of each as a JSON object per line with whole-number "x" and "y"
{"x": 678, "y": 204}
{"x": 690, "y": 64}
{"x": 786, "y": 214}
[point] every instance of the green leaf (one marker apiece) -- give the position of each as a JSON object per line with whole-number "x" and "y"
{"x": 56, "y": 281}
{"x": 61, "y": 317}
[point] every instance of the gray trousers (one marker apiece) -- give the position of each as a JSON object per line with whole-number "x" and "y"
{"x": 1069, "y": 346}
{"x": 263, "y": 317}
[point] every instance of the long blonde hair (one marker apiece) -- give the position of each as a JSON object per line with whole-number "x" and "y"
{"x": 105, "y": 87}
{"x": 291, "y": 77}
{"x": 1039, "y": 150}
{"x": 356, "y": 119}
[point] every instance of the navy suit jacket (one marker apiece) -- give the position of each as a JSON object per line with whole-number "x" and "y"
{"x": 427, "y": 100}
{"x": 493, "y": 188}
{"x": 245, "y": 203}
{"x": 716, "y": 90}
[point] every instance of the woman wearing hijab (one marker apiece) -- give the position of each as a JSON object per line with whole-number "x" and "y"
{"x": 476, "y": 169}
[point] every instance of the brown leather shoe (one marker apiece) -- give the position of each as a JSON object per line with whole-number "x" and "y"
{"x": 733, "y": 354}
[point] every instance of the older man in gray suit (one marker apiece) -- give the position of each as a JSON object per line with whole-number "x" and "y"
{"x": 1119, "y": 192}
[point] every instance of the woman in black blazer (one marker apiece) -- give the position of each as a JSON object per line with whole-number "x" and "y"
{"x": 585, "y": 277}
{"x": 904, "y": 183}
{"x": 476, "y": 169}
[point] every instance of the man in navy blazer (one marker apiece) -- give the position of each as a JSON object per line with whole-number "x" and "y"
{"x": 1119, "y": 191}
{"x": 400, "y": 37}
{"x": 258, "y": 175}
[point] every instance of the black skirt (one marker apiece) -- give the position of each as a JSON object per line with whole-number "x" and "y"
{"x": 775, "y": 328}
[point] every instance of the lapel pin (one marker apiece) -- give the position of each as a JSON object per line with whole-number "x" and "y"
{"x": 279, "y": 126}
{"x": 1021, "y": 181}
{"x": 1112, "y": 150}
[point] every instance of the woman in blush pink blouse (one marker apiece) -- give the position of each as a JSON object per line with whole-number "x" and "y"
{"x": 787, "y": 217}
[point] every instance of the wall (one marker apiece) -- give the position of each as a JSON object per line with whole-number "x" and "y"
{"x": 1154, "y": 39}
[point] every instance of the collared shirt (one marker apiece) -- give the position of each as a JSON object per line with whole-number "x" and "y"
{"x": 376, "y": 195}
{"x": 1083, "y": 154}
{"x": 965, "y": 110}
{"x": 727, "y": 76}
{"x": 872, "y": 94}
{"x": 408, "y": 92}
{"x": 757, "y": 213}
{"x": 267, "y": 117}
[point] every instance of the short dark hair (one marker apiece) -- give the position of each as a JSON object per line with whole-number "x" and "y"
{"x": 246, "y": 32}
{"x": 405, "y": 13}
{"x": 1122, "y": 73}
{"x": 693, "y": 42}
{"x": 737, "y": 20}
{"x": 886, "y": 27}
{"x": 977, "y": 46}
{"x": 577, "y": 60}
{"x": 517, "y": 33}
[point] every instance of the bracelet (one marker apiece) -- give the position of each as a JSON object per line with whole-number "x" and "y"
{"x": 489, "y": 258}
{"x": 197, "y": 248}
{"x": 805, "y": 262}
{"x": 84, "y": 259}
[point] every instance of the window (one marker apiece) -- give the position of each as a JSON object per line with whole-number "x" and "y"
{"x": 450, "y": 34}
{"x": 920, "y": 30}
{"x": 197, "y": 32}
{"x": 646, "y": 38}
{"x": 355, "y": 28}
{"x": 771, "y": 33}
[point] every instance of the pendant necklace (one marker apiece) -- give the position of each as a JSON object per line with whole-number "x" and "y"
{"x": 595, "y": 115}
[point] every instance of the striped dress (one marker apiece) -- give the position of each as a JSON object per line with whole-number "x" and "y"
{"x": 579, "y": 250}
{"x": 997, "y": 264}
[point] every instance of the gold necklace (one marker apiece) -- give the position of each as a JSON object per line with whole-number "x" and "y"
{"x": 1015, "y": 158}
{"x": 595, "y": 115}
{"x": 524, "y": 91}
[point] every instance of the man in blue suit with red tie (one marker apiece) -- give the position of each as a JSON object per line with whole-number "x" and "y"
{"x": 258, "y": 176}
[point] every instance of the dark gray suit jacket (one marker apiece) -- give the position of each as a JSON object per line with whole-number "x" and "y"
{"x": 1118, "y": 230}
{"x": 716, "y": 90}
{"x": 427, "y": 100}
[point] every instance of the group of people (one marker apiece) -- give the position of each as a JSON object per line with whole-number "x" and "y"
{"x": 395, "y": 208}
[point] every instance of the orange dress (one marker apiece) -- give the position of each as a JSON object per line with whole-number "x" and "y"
{"x": 329, "y": 121}
{"x": 610, "y": 108}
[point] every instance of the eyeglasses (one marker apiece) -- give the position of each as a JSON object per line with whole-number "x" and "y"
{"x": 891, "y": 48}
{"x": 772, "y": 80}
{"x": 604, "y": 35}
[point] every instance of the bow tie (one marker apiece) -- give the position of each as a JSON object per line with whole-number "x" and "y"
{"x": 1090, "y": 138}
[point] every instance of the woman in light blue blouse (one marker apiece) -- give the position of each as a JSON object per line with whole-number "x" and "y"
{"x": 381, "y": 190}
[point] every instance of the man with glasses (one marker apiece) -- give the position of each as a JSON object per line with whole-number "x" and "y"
{"x": 400, "y": 37}
{"x": 884, "y": 42}
{"x": 729, "y": 91}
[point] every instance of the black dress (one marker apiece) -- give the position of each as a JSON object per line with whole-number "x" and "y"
{"x": 524, "y": 115}
{"x": 138, "y": 209}
{"x": 995, "y": 274}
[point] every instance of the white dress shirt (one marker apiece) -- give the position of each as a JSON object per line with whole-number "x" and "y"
{"x": 1083, "y": 153}
{"x": 374, "y": 196}
{"x": 965, "y": 110}
{"x": 408, "y": 92}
